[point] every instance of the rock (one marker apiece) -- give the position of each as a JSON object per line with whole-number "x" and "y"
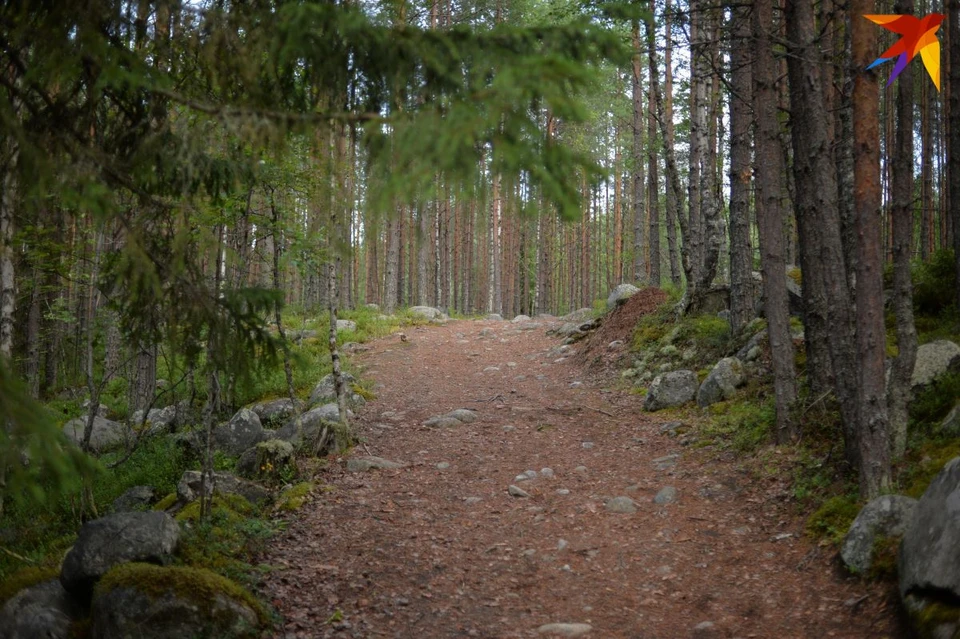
{"x": 620, "y": 294}
{"x": 45, "y": 610}
{"x": 325, "y": 392}
{"x": 443, "y": 465}
{"x": 243, "y": 431}
{"x": 428, "y": 312}
{"x": 671, "y": 389}
{"x": 354, "y": 347}
{"x": 188, "y": 488}
{"x": 159, "y": 420}
{"x": 275, "y": 411}
{"x": 308, "y": 426}
{"x": 950, "y": 426}
{"x": 106, "y": 434}
{"x": 363, "y": 464}
{"x": 623, "y": 505}
{"x": 706, "y": 630}
{"x": 269, "y": 460}
{"x": 115, "y": 539}
{"x": 885, "y": 516}
{"x": 578, "y": 316}
{"x": 794, "y": 293}
{"x": 346, "y": 325}
{"x": 722, "y": 382}
{"x": 149, "y": 602}
{"x": 565, "y": 629}
{"x": 136, "y": 498}
{"x": 494, "y": 317}
{"x": 929, "y": 561}
{"x": 568, "y": 329}
{"x": 189, "y": 443}
{"x": 520, "y": 318}
{"x": 667, "y": 495}
{"x": 547, "y": 473}
{"x": 516, "y": 491}
{"x": 712, "y": 301}
{"x": 615, "y": 344}
{"x": 933, "y": 360}
{"x": 452, "y": 419}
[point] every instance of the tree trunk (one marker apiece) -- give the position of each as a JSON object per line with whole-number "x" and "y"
{"x": 392, "y": 267}
{"x": 652, "y": 161}
{"x": 665, "y": 114}
{"x": 953, "y": 157}
{"x": 871, "y": 335}
{"x": 741, "y": 252}
{"x": 639, "y": 264}
{"x": 692, "y": 238}
{"x": 767, "y": 169}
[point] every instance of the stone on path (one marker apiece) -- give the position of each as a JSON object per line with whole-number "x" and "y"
{"x": 565, "y": 629}
{"x": 722, "y": 382}
{"x": 623, "y": 505}
{"x": 452, "y": 419}
{"x": 671, "y": 389}
{"x": 363, "y": 464}
{"x": 516, "y": 491}
{"x": 667, "y": 495}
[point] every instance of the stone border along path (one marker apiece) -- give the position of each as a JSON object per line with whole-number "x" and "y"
{"x": 619, "y": 531}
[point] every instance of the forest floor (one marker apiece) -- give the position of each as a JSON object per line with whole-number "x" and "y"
{"x": 440, "y": 549}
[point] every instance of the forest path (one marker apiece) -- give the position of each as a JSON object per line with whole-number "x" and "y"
{"x": 428, "y": 551}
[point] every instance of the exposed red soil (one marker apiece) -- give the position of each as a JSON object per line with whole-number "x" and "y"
{"x": 405, "y": 553}
{"x": 595, "y": 351}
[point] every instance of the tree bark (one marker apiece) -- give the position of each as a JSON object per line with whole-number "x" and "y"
{"x": 665, "y": 113}
{"x": 741, "y": 95}
{"x": 639, "y": 214}
{"x": 871, "y": 335}
{"x": 767, "y": 169}
{"x": 953, "y": 157}
{"x": 652, "y": 161}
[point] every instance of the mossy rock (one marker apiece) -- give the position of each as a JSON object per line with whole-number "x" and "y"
{"x": 166, "y": 503}
{"x": 25, "y": 578}
{"x": 293, "y": 498}
{"x": 272, "y": 461}
{"x": 933, "y": 619}
{"x": 152, "y": 602}
{"x": 232, "y": 507}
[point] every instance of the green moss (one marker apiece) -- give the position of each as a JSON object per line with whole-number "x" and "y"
{"x": 929, "y": 615}
{"x": 796, "y": 275}
{"x": 933, "y": 403}
{"x": 26, "y": 578}
{"x": 742, "y": 424}
{"x": 166, "y": 502}
{"x": 832, "y": 520}
{"x": 931, "y": 457}
{"x": 363, "y": 392}
{"x": 233, "y": 507}
{"x": 883, "y": 563}
{"x": 192, "y": 584}
{"x": 293, "y": 498}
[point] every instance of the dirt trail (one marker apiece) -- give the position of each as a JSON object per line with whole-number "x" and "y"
{"x": 428, "y": 551}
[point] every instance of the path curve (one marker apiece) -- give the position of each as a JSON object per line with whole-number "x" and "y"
{"x": 439, "y": 549}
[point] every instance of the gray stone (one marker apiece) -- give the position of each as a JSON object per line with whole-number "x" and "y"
{"x": 546, "y": 472}
{"x": 45, "y": 610}
{"x": 135, "y": 610}
{"x": 494, "y": 317}
{"x": 722, "y": 382}
{"x": 275, "y": 411}
{"x": 428, "y": 312}
{"x": 621, "y": 294}
{"x": 579, "y": 316}
{"x": 516, "y": 491}
{"x": 159, "y": 420}
{"x": 243, "y": 431}
{"x": 752, "y": 349}
{"x": 452, "y": 419}
{"x": 950, "y": 426}
{"x": 346, "y": 325}
{"x": 268, "y": 460}
{"x": 520, "y": 318}
{"x": 308, "y": 426}
{"x": 622, "y": 504}
{"x": 671, "y": 389}
{"x": 565, "y": 629}
{"x": 929, "y": 561}
{"x": 135, "y": 498}
{"x": 667, "y": 495}
{"x": 188, "y": 488}
{"x": 443, "y": 465}
{"x": 933, "y": 360}
{"x": 885, "y": 516}
{"x": 363, "y": 464}
{"x": 106, "y": 434}
{"x": 706, "y": 630}
{"x": 116, "y": 539}
{"x": 325, "y": 392}
{"x": 568, "y": 329}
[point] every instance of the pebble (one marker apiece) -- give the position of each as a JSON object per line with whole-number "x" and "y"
{"x": 509, "y": 429}
{"x": 622, "y": 505}
{"x": 667, "y": 495}
{"x": 511, "y": 364}
{"x": 563, "y": 491}
{"x": 587, "y": 445}
{"x": 565, "y": 629}
{"x": 472, "y": 500}
{"x": 531, "y": 474}
{"x": 580, "y": 469}
{"x": 491, "y": 369}
{"x": 443, "y": 465}
{"x": 516, "y": 491}
{"x": 562, "y": 544}
{"x": 576, "y": 384}
{"x": 546, "y": 472}
{"x": 706, "y": 630}
{"x": 522, "y": 477}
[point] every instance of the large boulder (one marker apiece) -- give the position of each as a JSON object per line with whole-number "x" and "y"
{"x": 115, "y": 539}
{"x": 150, "y": 602}
{"x": 275, "y": 411}
{"x": 188, "y": 488}
{"x": 308, "y": 426}
{"x": 106, "y": 434}
{"x": 135, "y": 498}
{"x": 885, "y": 516}
{"x": 325, "y": 392}
{"x": 243, "y": 431}
{"x": 45, "y": 610}
{"x": 934, "y": 359}
{"x": 578, "y": 316}
{"x": 159, "y": 420}
{"x": 428, "y": 312}
{"x": 671, "y": 389}
{"x": 722, "y": 382}
{"x": 346, "y": 325}
{"x": 929, "y": 562}
{"x": 711, "y": 301}
{"x": 620, "y": 294}
{"x": 271, "y": 460}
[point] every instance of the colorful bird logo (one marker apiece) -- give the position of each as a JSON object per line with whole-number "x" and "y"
{"x": 919, "y": 36}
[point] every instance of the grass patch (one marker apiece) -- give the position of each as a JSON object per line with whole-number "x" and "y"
{"x": 832, "y": 520}
{"x": 743, "y": 424}
{"x": 293, "y": 498}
